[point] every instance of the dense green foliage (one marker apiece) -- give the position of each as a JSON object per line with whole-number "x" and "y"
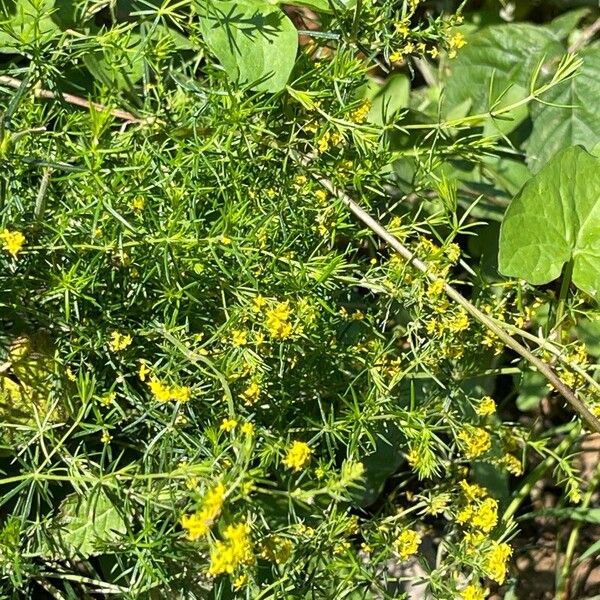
{"x": 215, "y": 380}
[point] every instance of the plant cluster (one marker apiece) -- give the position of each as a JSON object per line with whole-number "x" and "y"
{"x": 215, "y": 380}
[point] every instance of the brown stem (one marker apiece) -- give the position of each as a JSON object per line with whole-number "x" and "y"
{"x": 15, "y": 83}
{"x": 578, "y": 406}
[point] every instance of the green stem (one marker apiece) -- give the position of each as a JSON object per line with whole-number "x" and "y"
{"x": 562, "y": 298}
{"x": 562, "y": 584}
{"x": 538, "y": 472}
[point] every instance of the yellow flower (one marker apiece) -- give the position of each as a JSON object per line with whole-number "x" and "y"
{"x": 251, "y": 394}
{"x": 108, "y": 399}
{"x": 276, "y": 549}
{"x": 321, "y": 196}
{"x": 119, "y": 341}
{"x": 495, "y": 561}
{"x": 485, "y": 516}
{"x": 258, "y": 303}
{"x": 106, "y": 437}
{"x": 464, "y": 514}
{"x": 234, "y": 551}
{"x": 12, "y": 241}
{"x": 459, "y": 322}
{"x": 474, "y": 592}
{"x": 323, "y": 144}
{"x": 138, "y": 204}
{"x": 199, "y": 523}
{"x": 407, "y": 543}
{"x": 181, "y": 393}
{"x": 456, "y": 42}
{"x": 277, "y": 321}
{"x": 70, "y": 375}
{"x": 472, "y": 491}
{"x": 239, "y": 582}
{"x": 143, "y": 371}
{"x": 298, "y": 456}
{"x": 360, "y": 114}
{"x": 402, "y": 28}
{"x": 248, "y": 429}
{"x": 165, "y": 393}
{"x": 225, "y": 240}
{"x": 239, "y": 337}
{"x": 477, "y": 441}
{"x": 396, "y": 57}
{"x": 435, "y": 288}
{"x": 228, "y": 425}
{"x": 512, "y": 464}
{"x": 486, "y": 407}
{"x": 473, "y": 539}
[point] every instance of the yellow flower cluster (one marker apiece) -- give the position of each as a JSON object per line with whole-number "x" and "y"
{"x": 276, "y": 549}
{"x": 298, "y": 456}
{"x": 166, "y": 393}
{"x": 512, "y": 464}
{"x": 138, "y": 204}
{"x": 329, "y": 139}
{"x": 407, "y": 543}
{"x": 479, "y": 511}
{"x": 277, "y": 321}
{"x": 251, "y": 394}
{"x": 474, "y": 592}
{"x": 230, "y": 424}
{"x": 235, "y": 550}
{"x": 455, "y": 43}
{"x": 199, "y": 524}
{"x": 486, "y": 407}
{"x": 12, "y": 241}
{"x": 476, "y": 441}
{"x": 239, "y": 337}
{"x": 495, "y": 561}
{"x": 119, "y": 341}
{"x": 360, "y": 114}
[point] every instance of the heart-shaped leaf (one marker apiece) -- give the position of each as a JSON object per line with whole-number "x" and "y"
{"x": 254, "y": 41}
{"x": 555, "y": 219}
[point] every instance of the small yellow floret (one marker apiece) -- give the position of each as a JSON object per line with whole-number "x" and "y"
{"x": 298, "y": 456}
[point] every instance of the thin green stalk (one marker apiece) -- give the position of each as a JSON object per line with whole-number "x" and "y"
{"x": 562, "y": 584}
{"x": 562, "y": 298}
{"x": 538, "y": 473}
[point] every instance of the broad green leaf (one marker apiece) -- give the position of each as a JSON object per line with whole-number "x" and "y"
{"x": 254, "y": 41}
{"x": 120, "y": 69}
{"x": 84, "y": 524}
{"x": 575, "y": 119}
{"x": 25, "y": 391}
{"x": 496, "y": 59}
{"x": 588, "y": 331}
{"x": 24, "y": 22}
{"x": 564, "y": 24}
{"x": 553, "y": 220}
{"x": 532, "y": 388}
{"x": 390, "y": 98}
